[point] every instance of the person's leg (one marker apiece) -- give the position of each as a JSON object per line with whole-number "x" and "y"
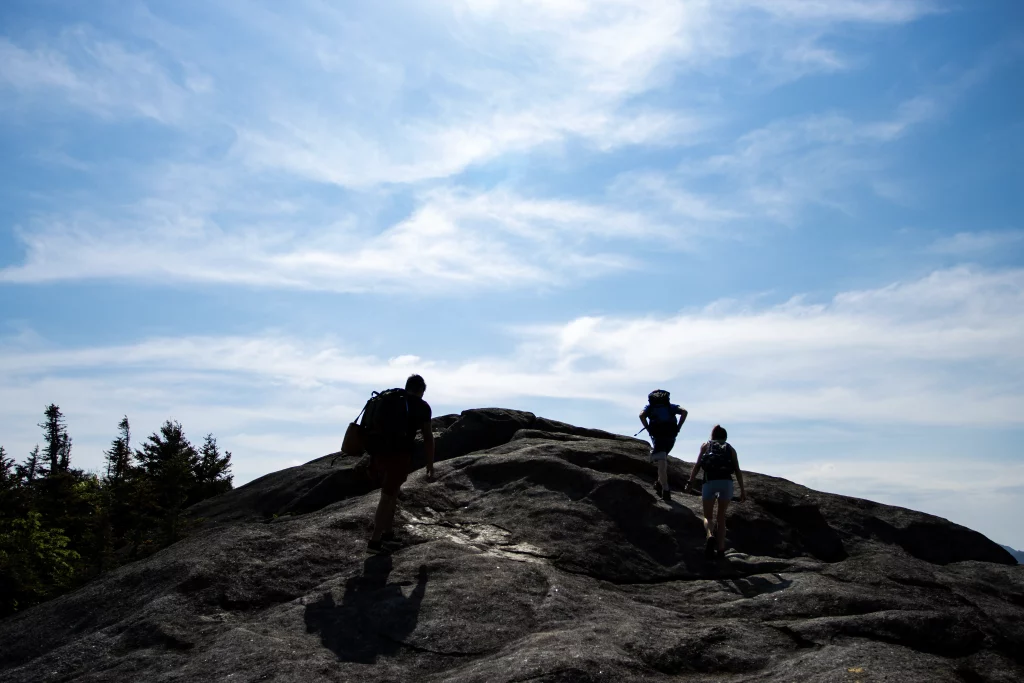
{"x": 663, "y": 473}
{"x": 389, "y": 515}
{"x": 724, "y": 498}
{"x": 708, "y": 498}
{"x": 381, "y": 516}
{"x": 709, "y": 514}
{"x": 398, "y": 472}
{"x": 723, "y": 505}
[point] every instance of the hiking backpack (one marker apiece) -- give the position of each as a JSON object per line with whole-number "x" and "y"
{"x": 717, "y": 461}
{"x": 658, "y": 397}
{"x": 385, "y": 422}
{"x": 660, "y": 413}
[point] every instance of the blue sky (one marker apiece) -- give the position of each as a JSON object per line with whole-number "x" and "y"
{"x": 801, "y": 217}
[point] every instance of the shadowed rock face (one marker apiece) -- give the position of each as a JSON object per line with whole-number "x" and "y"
{"x": 540, "y": 553}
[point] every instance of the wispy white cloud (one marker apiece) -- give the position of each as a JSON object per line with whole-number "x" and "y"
{"x": 490, "y": 239}
{"x": 516, "y": 77}
{"x": 777, "y": 170}
{"x": 903, "y": 353}
{"x": 973, "y": 244}
{"x": 526, "y": 75}
{"x": 100, "y": 76}
{"x": 865, "y": 11}
{"x": 450, "y": 240}
{"x": 445, "y": 89}
{"x": 498, "y": 77}
{"x": 315, "y": 147}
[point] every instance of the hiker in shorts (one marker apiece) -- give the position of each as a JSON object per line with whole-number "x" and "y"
{"x": 659, "y": 419}
{"x": 391, "y": 458}
{"x": 720, "y": 462}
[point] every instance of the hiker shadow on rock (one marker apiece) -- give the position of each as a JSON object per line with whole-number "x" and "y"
{"x": 374, "y": 616}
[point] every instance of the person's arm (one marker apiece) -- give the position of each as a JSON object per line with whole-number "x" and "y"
{"x": 428, "y": 447}
{"x": 682, "y": 419}
{"x": 696, "y": 465}
{"x": 739, "y": 474}
{"x": 643, "y": 420}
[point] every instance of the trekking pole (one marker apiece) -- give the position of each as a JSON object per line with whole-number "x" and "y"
{"x": 638, "y": 433}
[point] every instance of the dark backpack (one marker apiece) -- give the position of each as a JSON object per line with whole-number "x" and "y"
{"x": 658, "y": 397}
{"x": 660, "y": 414}
{"x": 386, "y": 422}
{"x": 717, "y": 462}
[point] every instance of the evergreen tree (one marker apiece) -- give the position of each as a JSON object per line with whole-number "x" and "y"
{"x": 8, "y": 473}
{"x": 68, "y": 500}
{"x": 169, "y": 463}
{"x": 119, "y": 457}
{"x": 54, "y": 493}
{"x": 57, "y": 443}
{"x": 32, "y": 468}
{"x": 10, "y": 489}
{"x": 13, "y": 493}
{"x": 60, "y": 526}
{"x": 213, "y": 473}
{"x": 120, "y": 517}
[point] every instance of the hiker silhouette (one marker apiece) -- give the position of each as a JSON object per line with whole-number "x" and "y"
{"x": 374, "y": 616}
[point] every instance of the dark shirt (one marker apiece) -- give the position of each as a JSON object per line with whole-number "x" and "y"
{"x": 419, "y": 413}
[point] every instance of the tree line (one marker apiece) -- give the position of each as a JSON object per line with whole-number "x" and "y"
{"x": 61, "y": 526}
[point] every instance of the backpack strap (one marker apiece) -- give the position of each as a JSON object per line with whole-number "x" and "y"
{"x": 373, "y": 395}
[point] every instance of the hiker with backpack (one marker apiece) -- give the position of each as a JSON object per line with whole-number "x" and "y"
{"x": 659, "y": 419}
{"x": 720, "y": 462}
{"x": 390, "y": 422}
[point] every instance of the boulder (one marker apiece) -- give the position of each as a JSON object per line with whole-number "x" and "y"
{"x": 538, "y": 553}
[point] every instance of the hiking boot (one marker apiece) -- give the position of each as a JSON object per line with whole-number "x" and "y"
{"x": 388, "y": 537}
{"x": 720, "y": 554}
{"x": 666, "y": 495}
{"x": 657, "y": 487}
{"x": 709, "y": 547}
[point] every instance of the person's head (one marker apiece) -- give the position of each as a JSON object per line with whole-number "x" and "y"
{"x": 719, "y": 433}
{"x": 415, "y": 385}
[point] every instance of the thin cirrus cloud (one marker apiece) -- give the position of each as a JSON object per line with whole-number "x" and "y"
{"x": 102, "y": 77}
{"x": 510, "y": 82}
{"x": 972, "y": 244}
{"x": 778, "y": 170}
{"x": 492, "y": 239}
{"x": 501, "y": 77}
{"x": 523, "y": 75}
{"x": 489, "y": 239}
{"x": 475, "y": 82}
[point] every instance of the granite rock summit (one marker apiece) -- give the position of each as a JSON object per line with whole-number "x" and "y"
{"x": 539, "y": 553}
